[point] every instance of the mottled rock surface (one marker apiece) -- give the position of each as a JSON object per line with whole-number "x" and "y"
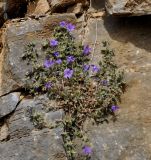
{"x": 4, "y": 132}
{"x": 128, "y": 7}
{"x": 42, "y": 7}
{"x": 61, "y": 5}
{"x": 97, "y": 5}
{"x": 8, "y": 103}
{"x": 16, "y": 37}
{"x": 129, "y": 138}
{"x": 77, "y": 9}
{"x": 28, "y": 143}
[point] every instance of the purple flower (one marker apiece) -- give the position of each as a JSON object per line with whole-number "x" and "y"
{"x": 70, "y": 59}
{"x": 58, "y": 61}
{"x": 36, "y": 88}
{"x": 48, "y": 63}
{"x": 68, "y": 73}
{"x": 86, "y": 67}
{"x": 53, "y": 43}
{"x": 114, "y": 108}
{"x": 63, "y": 24}
{"x": 95, "y": 68}
{"x": 86, "y": 49}
{"x": 87, "y": 150}
{"x": 70, "y": 27}
{"x": 56, "y": 54}
{"x": 104, "y": 82}
{"x": 48, "y": 85}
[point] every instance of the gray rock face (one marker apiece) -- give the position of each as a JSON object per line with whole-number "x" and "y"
{"x": 28, "y": 143}
{"x": 129, "y": 137}
{"x": 8, "y": 103}
{"x": 17, "y": 36}
{"x": 40, "y": 145}
{"x": 128, "y": 7}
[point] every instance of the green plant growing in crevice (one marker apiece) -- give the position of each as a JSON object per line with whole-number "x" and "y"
{"x": 37, "y": 118}
{"x": 83, "y": 90}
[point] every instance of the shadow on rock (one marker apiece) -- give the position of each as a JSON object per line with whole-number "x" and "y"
{"x": 135, "y": 30}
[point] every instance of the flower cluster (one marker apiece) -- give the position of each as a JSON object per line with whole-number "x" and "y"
{"x": 83, "y": 89}
{"x": 94, "y": 68}
{"x": 68, "y": 72}
{"x": 69, "y": 26}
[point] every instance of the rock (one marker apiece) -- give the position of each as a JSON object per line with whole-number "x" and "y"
{"x": 16, "y": 37}
{"x": 128, "y": 8}
{"x": 40, "y": 145}
{"x": 4, "y": 132}
{"x": 97, "y": 14}
{"x": 122, "y": 141}
{"x": 25, "y": 142}
{"x": 2, "y": 6}
{"x": 53, "y": 117}
{"x": 8, "y": 103}
{"x": 61, "y": 5}
{"x": 31, "y": 7}
{"x": 96, "y": 5}
{"x": 129, "y": 137}
{"x": 56, "y": 5}
{"x": 77, "y": 9}
{"x": 16, "y": 8}
{"x": 42, "y": 7}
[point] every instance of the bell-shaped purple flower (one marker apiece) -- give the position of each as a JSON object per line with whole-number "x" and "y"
{"x": 104, "y": 82}
{"x": 63, "y": 24}
{"x": 58, "y": 61}
{"x": 114, "y": 108}
{"x": 86, "y": 67}
{"x": 53, "y": 43}
{"x": 68, "y": 73}
{"x": 87, "y": 150}
{"x": 70, "y": 27}
{"x": 48, "y": 63}
{"x": 56, "y": 54}
{"x": 70, "y": 59}
{"x": 95, "y": 68}
{"x": 48, "y": 85}
{"x": 86, "y": 50}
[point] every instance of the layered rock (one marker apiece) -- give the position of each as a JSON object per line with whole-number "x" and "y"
{"x": 8, "y": 103}
{"x": 37, "y": 8}
{"x": 26, "y": 142}
{"x": 16, "y": 38}
{"x": 129, "y": 137}
{"x": 128, "y": 7}
{"x": 62, "y": 5}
